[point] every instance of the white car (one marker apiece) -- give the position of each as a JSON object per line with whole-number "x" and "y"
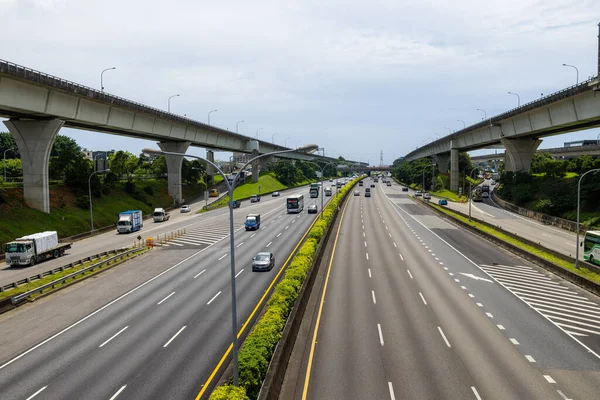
{"x": 185, "y": 208}
{"x": 418, "y": 193}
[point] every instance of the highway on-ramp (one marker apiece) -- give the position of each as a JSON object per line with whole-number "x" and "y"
{"x": 164, "y": 336}
{"x": 416, "y": 308}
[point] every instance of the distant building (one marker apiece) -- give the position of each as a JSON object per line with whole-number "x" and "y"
{"x": 581, "y": 143}
{"x": 100, "y": 158}
{"x": 241, "y": 158}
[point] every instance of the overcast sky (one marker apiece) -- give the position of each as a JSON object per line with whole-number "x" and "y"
{"x": 357, "y": 77}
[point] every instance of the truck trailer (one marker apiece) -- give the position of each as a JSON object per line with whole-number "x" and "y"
{"x": 130, "y": 221}
{"x": 30, "y": 249}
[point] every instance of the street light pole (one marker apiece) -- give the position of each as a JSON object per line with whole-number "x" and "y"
{"x": 577, "y": 244}
{"x": 576, "y": 70}
{"x": 285, "y": 142}
{"x": 299, "y": 141}
{"x": 212, "y": 111}
{"x": 464, "y": 124}
{"x": 102, "y": 78}
{"x": 12, "y": 148}
{"x": 257, "y": 132}
{"x": 237, "y": 125}
{"x": 231, "y": 188}
{"x": 90, "y": 195}
{"x": 484, "y": 113}
{"x": 273, "y": 137}
{"x": 449, "y": 130}
{"x": 518, "y": 98}
{"x": 470, "y": 196}
{"x": 169, "y": 102}
{"x": 323, "y": 173}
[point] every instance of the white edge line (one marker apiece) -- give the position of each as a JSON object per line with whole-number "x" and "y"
{"x": 422, "y": 298}
{"x": 367, "y": 256}
{"x": 214, "y": 297}
{"x": 444, "y": 337}
{"x": 374, "y": 300}
{"x": 238, "y": 274}
{"x": 36, "y": 393}
{"x": 115, "y": 335}
{"x": 477, "y": 396}
{"x": 500, "y": 283}
{"x": 369, "y": 272}
{"x": 392, "y": 397}
{"x": 409, "y": 274}
{"x": 222, "y": 257}
{"x": 402, "y": 258}
{"x": 549, "y": 379}
{"x": 104, "y": 307}
{"x": 114, "y": 396}
{"x": 174, "y": 336}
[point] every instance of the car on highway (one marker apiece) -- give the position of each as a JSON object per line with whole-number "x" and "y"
{"x": 254, "y": 198}
{"x": 404, "y": 189}
{"x": 418, "y": 193}
{"x": 372, "y": 185}
{"x": 275, "y": 194}
{"x": 312, "y": 209}
{"x": 388, "y": 183}
{"x": 493, "y": 183}
{"x": 236, "y": 204}
{"x": 427, "y": 196}
{"x": 263, "y": 261}
{"x": 443, "y": 202}
{"x": 185, "y": 208}
{"x": 357, "y": 192}
{"x": 485, "y": 195}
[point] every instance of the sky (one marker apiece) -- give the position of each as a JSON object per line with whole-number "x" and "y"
{"x": 359, "y": 78}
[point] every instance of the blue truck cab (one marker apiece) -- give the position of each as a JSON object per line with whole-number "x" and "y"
{"x": 252, "y": 222}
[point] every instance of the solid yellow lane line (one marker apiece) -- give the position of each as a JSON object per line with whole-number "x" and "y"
{"x": 314, "y": 340}
{"x": 230, "y": 348}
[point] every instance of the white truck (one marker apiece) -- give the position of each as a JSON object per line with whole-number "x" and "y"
{"x": 160, "y": 215}
{"x": 327, "y": 191}
{"x": 30, "y": 249}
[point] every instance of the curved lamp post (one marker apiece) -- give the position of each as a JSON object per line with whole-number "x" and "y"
{"x": 102, "y": 78}
{"x": 577, "y": 244}
{"x": 237, "y": 124}
{"x": 484, "y": 113}
{"x": 212, "y": 111}
{"x": 576, "y": 70}
{"x": 464, "y": 124}
{"x": 257, "y": 132}
{"x": 12, "y": 148}
{"x": 90, "y": 194}
{"x": 322, "y": 170}
{"x": 231, "y": 187}
{"x": 169, "y": 102}
{"x": 518, "y": 98}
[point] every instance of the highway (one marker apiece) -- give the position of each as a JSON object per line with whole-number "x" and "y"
{"x": 159, "y": 336}
{"x": 548, "y": 236}
{"x": 112, "y": 240}
{"x": 416, "y": 308}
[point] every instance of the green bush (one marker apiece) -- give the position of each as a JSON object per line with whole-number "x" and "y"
{"x": 257, "y": 350}
{"x": 149, "y": 190}
{"x": 229, "y": 392}
{"x": 83, "y": 202}
{"x": 130, "y": 187}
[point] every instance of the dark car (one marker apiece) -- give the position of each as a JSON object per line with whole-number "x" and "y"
{"x": 254, "y": 198}
{"x": 404, "y": 189}
{"x": 263, "y": 261}
{"x": 236, "y": 204}
{"x": 372, "y": 185}
{"x": 443, "y": 202}
{"x": 312, "y": 209}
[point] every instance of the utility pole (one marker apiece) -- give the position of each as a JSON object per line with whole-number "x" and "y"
{"x": 381, "y": 158}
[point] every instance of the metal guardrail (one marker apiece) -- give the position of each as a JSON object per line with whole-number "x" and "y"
{"x": 23, "y": 296}
{"x": 56, "y": 270}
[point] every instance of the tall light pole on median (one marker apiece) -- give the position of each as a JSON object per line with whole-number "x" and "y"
{"x": 12, "y": 148}
{"x": 273, "y": 137}
{"x": 470, "y": 196}
{"x": 169, "y": 102}
{"x": 231, "y": 188}
{"x": 285, "y": 142}
{"x": 577, "y": 244}
{"x": 90, "y": 194}
{"x": 518, "y": 98}
{"x": 449, "y": 130}
{"x": 212, "y": 111}
{"x": 464, "y": 124}
{"x": 257, "y": 132}
{"x": 237, "y": 124}
{"x": 322, "y": 174}
{"x": 576, "y": 70}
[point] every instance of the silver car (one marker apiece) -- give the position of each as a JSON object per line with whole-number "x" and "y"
{"x": 263, "y": 261}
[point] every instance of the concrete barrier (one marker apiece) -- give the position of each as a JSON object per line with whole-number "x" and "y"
{"x": 538, "y": 216}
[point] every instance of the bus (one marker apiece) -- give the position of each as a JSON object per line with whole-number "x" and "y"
{"x": 295, "y": 204}
{"x": 214, "y": 193}
{"x": 314, "y": 190}
{"x": 591, "y": 247}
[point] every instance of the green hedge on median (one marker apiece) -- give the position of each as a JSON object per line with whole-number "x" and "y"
{"x": 256, "y": 352}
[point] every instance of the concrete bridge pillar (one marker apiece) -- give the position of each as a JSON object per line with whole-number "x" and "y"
{"x": 442, "y": 162}
{"x": 174, "y": 166}
{"x": 255, "y": 166}
{"x": 519, "y": 153}
{"x": 34, "y": 140}
{"x": 454, "y": 170}
{"x": 210, "y": 170}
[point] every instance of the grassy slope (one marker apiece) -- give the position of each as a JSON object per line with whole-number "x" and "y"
{"x": 17, "y": 220}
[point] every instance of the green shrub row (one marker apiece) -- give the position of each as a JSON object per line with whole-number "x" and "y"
{"x": 256, "y": 352}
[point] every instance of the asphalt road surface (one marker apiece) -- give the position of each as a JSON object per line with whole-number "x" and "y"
{"x": 416, "y": 308}
{"x": 157, "y": 338}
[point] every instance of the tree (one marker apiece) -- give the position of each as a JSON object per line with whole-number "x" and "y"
{"x": 7, "y": 142}
{"x": 464, "y": 162}
{"x": 286, "y": 172}
{"x": 539, "y": 161}
{"x": 123, "y": 163}
{"x": 307, "y": 169}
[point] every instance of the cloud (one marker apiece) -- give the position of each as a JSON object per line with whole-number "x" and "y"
{"x": 353, "y": 76}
